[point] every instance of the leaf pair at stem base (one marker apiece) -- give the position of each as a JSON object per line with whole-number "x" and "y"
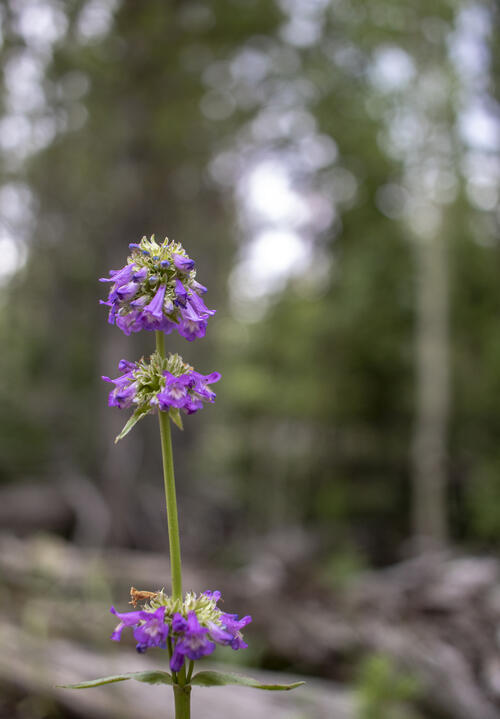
{"x": 201, "y": 679}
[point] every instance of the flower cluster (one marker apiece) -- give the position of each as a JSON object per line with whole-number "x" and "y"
{"x": 164, "y": 382}
{"x": 189, "y": 629}
{"x": 157, "y": 290}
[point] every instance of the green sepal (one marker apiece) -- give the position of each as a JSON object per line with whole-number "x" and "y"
{"x": 156, "y": 677}
{"x": 138, "y": 414}
{"x": 175, "y": 416}
{"x": 220, "y": 679}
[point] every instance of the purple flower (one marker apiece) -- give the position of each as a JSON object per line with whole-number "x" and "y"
{"x": 125, "y": 386}
{"x": 233, "y": 626}
{"x": 113, "y": 310}
{"x": 176, "y": 304}
{"x": 199, "y": 307}
{"x": 153, "y": 632}
{"x": 219, "y": 635}
{"x": 191, "y": 329}
{"x": 127, "y": 619}
{"x": 128, "y": 323}
{"x": 183, "y": 264}
{"x": 120, "y": 277}
{"x": 189, "y": 314}
{"x": 187, "y": 392}
{"x": 201, "y": 382}
{"x": 188, "y": 637}
{"x": 179, "y": 624}
{"x": 126, "y": 292}
{"x": 150, "y": 628}
{"x": 175, "y": 393}
{"x": 192, "y": 405}
{"x": 139, "y": 303}
{"x": 199, "y": 288}
{"x": 193, "y": 641}
{"x": 166, "y": 326}
{"x": 194, "y": 318}
{"x": 126, "y": 366}
{"x": 152, "y": 314}
{"x": 140, "y": 275}
{"x": 180, "y": 293}
{"x": 122, "y": 396}
{"x": 137, "y": 386}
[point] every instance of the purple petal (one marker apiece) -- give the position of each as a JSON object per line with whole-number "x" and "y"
{"x": 183, "y": 264}
{"x": 191, "y": 330}
{"x": 155, "y": 308}
{"x": 179, "y": 624}
{"x": 130, "y": 322}
{"x": 197, "y": 287}
{"x": 166, "y": 326}
{"x": 193, "y": 625}
{"x": 153, "y": 632}
{"x": 120, "y": 277}
{"x": 126, "y": 366}
{"x": 140, "y": 275}
{"x": 212, "y": 377}
{"x": 189, "y": 314}
{"x": 219, "y": 635}
{"x": 199, "y": 306}
{"x": 128, "y": 618}
{"x": 126, "y": 292}
{"x": 139, "y": 302}
{"x": 180, "y": 292}
{"x": 192, "y": 405}
{"x": 178, "y": 657}
{"x": 117, "y": 634}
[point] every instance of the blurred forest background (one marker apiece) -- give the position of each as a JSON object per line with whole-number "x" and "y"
{"x": 334, "y": 168}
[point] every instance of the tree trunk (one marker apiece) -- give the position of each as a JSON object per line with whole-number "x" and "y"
{"x": 432, "y": 394}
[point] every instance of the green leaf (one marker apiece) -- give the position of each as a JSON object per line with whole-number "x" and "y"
{"x": 175, "y": 416}
{"x": 220, "y": 679}
{"x": 138, "y": 414}
{"x": 156, "y": 677}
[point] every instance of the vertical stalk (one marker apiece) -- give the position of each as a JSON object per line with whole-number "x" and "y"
{"x": 182, "y": 696}
{"x": 182, "y": 689}
{"x": 432, "y": 405}
{"x": 171, "y": 501}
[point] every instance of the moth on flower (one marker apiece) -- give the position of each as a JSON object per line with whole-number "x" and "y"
{"x": 137, "y": 595}
{"x": 193, "y": 627}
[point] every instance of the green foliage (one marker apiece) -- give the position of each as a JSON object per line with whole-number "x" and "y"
{"x": 384, "y": 692}
{"x": 132, "y": 421}
{"x": 151, "y": 677}
{"x": 219, "y": 679}
{"x": 201, "y": 679}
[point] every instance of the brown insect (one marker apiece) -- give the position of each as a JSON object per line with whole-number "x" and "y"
{"x": 137, "y": 595}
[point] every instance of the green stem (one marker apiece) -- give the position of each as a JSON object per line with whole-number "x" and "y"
{"x": 182, "y": 689}
{"x": 169, "y": 479}
{"x": 160, "y": 343}
{"x": 182, "y": 696}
